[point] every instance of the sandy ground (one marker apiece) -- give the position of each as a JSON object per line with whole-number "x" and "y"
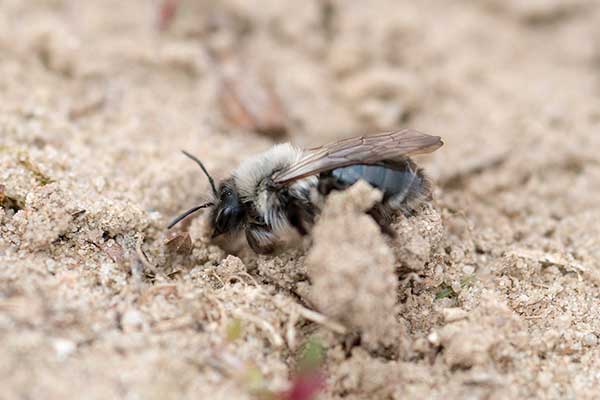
{"x": 491, "y": 292}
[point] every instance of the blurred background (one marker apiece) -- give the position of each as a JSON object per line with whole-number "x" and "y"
{"x": 226, "y": 79}
{"x": 98, "y": 97}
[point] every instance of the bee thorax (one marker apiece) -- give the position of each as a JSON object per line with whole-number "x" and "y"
{"x": 274, "y": 204}
{"x": 253, "y": 172}
{"x": 269, "y": 202}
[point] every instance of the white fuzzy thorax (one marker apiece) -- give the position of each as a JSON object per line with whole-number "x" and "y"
{"x": 254, "y": 169}
{"x": 250, "y": 176}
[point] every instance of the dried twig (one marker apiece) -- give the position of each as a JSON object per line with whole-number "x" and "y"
{"x": 249, "y": 277}
{"x": 166, "y": 290}
{"x": 311, "y": 315}
{"x": 217, "y": 277}
{"x": 290, "y": 334}
{"x": 142, "y": 256}
{"x": 222, "y": 313}
{"x": 252, "y": 103}
{"x": 85, "y": 109}
{"x": 275, "y": 338}
{"x": 321, "y": 320}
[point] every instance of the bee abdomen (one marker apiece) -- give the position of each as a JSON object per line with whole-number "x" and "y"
{"x": 401, "y": 182}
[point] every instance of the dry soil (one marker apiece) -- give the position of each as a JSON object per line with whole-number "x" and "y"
{"x": 490, "y": 292}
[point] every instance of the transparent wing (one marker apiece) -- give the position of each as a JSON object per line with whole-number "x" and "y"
{"x": 359, "y": 150}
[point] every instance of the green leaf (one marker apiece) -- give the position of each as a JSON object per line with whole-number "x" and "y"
{"x": 467, "y": 281}
{"x": 254, "y": 379}
{"x": 312, "y": 355}
{"x": 446, "y": 291}
{"x": 234, "y": 330}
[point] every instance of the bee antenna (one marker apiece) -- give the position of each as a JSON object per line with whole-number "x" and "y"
{"x": 210, "y": 179}
{"x": 188, "y": 212}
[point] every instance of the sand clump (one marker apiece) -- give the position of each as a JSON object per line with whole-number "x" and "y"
{"x": 418, "y": 239}
{"x": 470, "y": 339}
{"x": 352, "y": 268}
{"x": 48, "y": 217}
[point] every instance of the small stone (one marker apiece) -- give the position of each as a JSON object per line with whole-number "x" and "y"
{"x": 63, "y": 347}
{"x": 132, "y": 320}
{"x": 434, "y": 338}
{"x": 468, "y": 269}
{"x": 545, "y": 379}
{"x": 575, "y": 347}
{"x": 590, "y": 339}
{"x": 523, "y": 299}
{"x": 453, "y": 314}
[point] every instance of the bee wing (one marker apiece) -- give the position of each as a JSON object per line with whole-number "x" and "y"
{"x": 359, "y": 150}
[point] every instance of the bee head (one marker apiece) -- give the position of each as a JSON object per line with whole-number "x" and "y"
{"x": 228, "y": 212}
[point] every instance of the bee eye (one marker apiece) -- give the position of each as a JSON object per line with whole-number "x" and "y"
{"x": 228, "y": 219}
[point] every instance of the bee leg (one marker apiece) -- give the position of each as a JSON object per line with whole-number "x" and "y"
{"x": 260, "y": 239}
{"x": 301, "y": 215}
{"x": 328, "y": 183}
{"x": 382, "y": 214}
{"x": 409, "y": 212}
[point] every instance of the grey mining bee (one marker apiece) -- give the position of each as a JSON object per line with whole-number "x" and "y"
{"x": 282, "y": 189}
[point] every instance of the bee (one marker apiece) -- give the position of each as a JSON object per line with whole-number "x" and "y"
{"x": 282, "y": 190}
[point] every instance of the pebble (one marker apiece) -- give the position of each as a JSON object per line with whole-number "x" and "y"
{"x": 453, "y": 314}
{"x": 63, "y": 347}
{"x": 132, "y": 320}
{"x": 468, "y": 269}
{"x": 434, "y": 338}
{"x": 590, "y": 339}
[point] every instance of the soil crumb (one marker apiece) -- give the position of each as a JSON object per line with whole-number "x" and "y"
{"x": 352, "y": 270}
